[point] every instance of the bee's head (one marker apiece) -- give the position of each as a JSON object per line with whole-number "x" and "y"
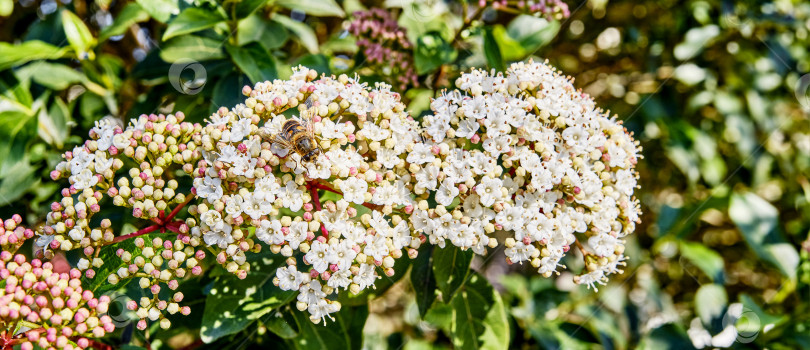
{"x": 311, "y": 156}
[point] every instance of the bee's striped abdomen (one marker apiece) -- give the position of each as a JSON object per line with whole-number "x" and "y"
{"x": 290, "y": 128}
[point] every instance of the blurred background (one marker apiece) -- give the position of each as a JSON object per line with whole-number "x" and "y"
{"x": 715, "y": 91}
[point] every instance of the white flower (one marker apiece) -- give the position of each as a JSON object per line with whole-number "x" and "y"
{"x": 298, "y": 234}
{"x": 240, "y": 129}
{"x": 269, "y": 231}
{"x": 208, "y": 188}
{"x": 292, "y": 197}
{"x": 266, "y": 188}
{"x": 288, "y": 278}
{"x": 366, "y": 276}
{"x": 256, "y": 206}
{"x": 489, "y": 190}
{"x": 427, "y": 177}
{"x": 105, "y": 129}
{"x": 319, "y": 256}
{"x": 234, "y": 205}
{"x": 447, "y": 192}
{"x": 603, "y": 244}
{"x": 421, "y": 154}
{"x": 311, "y": 292}
{"x": 354, "y": 190}
{"x": 320, "y": 168}
{"x": 80, "y": 161}
{"x": 85, "y": 179}
{"x": 344, "y": 255}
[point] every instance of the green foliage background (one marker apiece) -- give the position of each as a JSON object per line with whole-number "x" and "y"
{"x": 715, "y": 91}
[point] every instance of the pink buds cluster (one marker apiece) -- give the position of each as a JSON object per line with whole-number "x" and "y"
{"x": 385, "y": 45}
{"x": 41, "y": 307}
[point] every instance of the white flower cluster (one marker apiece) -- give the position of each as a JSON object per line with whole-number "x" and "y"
{"x": 526, "y": 152}
{"x": 258, "y": 189}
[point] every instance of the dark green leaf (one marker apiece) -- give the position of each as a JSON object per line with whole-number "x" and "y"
{"x": 280, "y": 326}
{"x": 247, "y": 7}
{"x": 253, "y": 61}
{"x": 493, "y": 51}
{"x": 12, "y": 55}
{"x": 191, "y": 20}
{"x": 129, "y": 15}
{"x": 190, "y": 47}
{"x": 320, "y": 8}
{"x": 256, "y": 28}
{"x": 228, "y": 91}
{"x": 450, "y": 267}
{"x": 319, "y": 62}
{"x": 233, "y": 304}
{"x": 424, "y": 284}
{"x": 431, "y": 52}
{"x": 479, "y": 320}
{"x": 346, "y": 332}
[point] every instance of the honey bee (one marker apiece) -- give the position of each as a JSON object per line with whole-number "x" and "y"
{"x": 297, "y": 135}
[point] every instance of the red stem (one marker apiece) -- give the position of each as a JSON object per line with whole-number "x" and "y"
{"x": 316, "y": 199}
{"x": 141, "y": 232}
{"x": 180, "y": 206}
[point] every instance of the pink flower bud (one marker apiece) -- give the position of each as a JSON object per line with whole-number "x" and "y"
{"x": 196, "y": 270}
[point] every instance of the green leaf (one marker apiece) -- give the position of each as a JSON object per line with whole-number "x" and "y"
{"x": 706, "y": 259}
{"x": 247, "y": 7}
{"x": 191, "y": 20}
{"x": 78, "y": 35}
{"x": 54, "y": 76}
{"x": 320, "y": 8}
{"x": 511, "y": 49}
{"x": 12, "y": 55}
{"x": 431, "y": 52}
{"x": 346, "y": 332}
{"x": 451, "y": 266}
{"x": 160, "y": 10}
{"x": 233, "y": 304}
{"x": 304, "y": 33}
{"x": 479, "y": 320}
{"x": 255, "y": 28}
{"x": 190, "y": 47}
{"x": 422, "y": 280}
{"x": 112, "y": 262}
{"x": 17, "y": 129}
{"x": 710, "y": 302}
{"x": 532, "y": 32}
{"x": 131, "y": 13}
{"x": 280, "y": 326}
{"x": 17, "y": 180}
{"x": 757, "y": 220}
{"x": 253, "y": 61}
{"x": 228, "y": 91}
{"x": 493, "y": 51}
{"x": 319, "y": 62}
{"x": 54, "y": 125}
